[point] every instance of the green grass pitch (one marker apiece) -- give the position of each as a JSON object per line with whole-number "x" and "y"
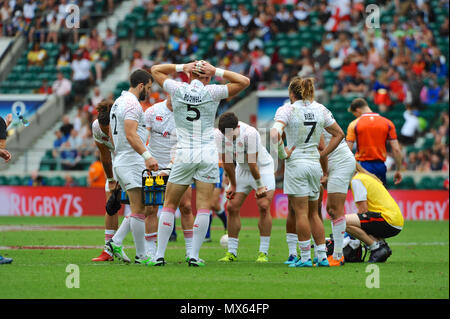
{"x": 418, "y": 267}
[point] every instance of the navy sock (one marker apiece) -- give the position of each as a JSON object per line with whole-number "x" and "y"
{"x": 223, "y": 217}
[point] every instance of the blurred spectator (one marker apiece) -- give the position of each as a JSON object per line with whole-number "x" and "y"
{"x": 410, "y": 128}
{"x": 81, "y": 68}
{"x": 178, "y": 18}
{"x": 69, "y": 157}
{"x": 96, "y": 177}
{"x": 62, "y": 86}
{"x": 60, "y": 139}
{"x": 37, "y": 55}
{"x": 74, "y": 139}
{"x": 53, "y": 30}
{"x": 430, "y": 93}
{"x": 36, "y": 179}
{"x": 66, "y": 127}
{"x": 69, "y": 181}
{"x": 111, "y": 43}
{"x": 96, "y": 97}
{"x": 381, "y": 95}
{"x": 137, "y": 62}
{"x": 45, "y": 88}
{"x": 64, "y": 56}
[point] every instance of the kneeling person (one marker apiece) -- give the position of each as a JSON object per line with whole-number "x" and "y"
{"x": 254, "y": 170}
{"x": 378, "y": 215}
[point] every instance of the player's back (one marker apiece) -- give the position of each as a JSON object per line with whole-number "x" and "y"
{"x": 305, "y": 122}
{"x": 195, "y": 106}
{"x": 126, "y": 107}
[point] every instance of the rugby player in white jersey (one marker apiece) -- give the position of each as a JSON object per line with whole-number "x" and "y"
{"x": 341, "y": 167}
{"x": 196, "y": 159}
{"x": 131, "y": 157}
{"x": 160, "y": 122}
{"x": 241, "y": 143}
{"x": 303, "y": 122}
{"x": 100, "y": 132}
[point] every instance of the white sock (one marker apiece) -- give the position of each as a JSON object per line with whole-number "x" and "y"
{"x": 233, "y": 244}
{"x": 122, "y": 232}
{"x": 321, "y": 251}
{"x": 316, "y": 252}
{"x": 264, "y": 242}
{"x": 188, "y": 235}
{"x": 305, "y": 250}
{"x": 137, "y": 226}
{"x": 374, "y": 246}
{"x": 338, "y": 229}
{"x": 201, "y": 224}
{"x": 292, "y": 243}
{"x": 165, "y": 226}
{"x": 150, "y": 240}
{"x": 109, "y": 233}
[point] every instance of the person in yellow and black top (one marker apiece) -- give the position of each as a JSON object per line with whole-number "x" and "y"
{"x": 378, "y": 216}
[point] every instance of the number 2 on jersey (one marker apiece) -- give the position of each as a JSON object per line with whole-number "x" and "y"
{"x": 115, "y": 124}
{"x": 197, "y": 113}
{"x": 313, "y": 124}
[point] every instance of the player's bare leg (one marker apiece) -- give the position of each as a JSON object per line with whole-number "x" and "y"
{"x": 264, "y": 225}
{"x": 234, "y": 225}
{"x": 187, "y": 219}
{"x": 354, "y": 229}
{"x": 173, "y": 195}
{"x": 303, "y": 228}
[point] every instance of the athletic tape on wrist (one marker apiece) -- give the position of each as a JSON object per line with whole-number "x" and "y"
{"x": 179, "y": 67}
{"x": 219, "y": 72}
{"x": 259, "y": 183}
{"x": 146, "y": 155}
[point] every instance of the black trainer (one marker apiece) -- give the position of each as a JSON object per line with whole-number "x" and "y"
{"x": 380, "y": 255}
{"x": 158, "y": 262}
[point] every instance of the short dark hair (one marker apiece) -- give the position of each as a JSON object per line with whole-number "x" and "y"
{"x": 357, "y": 104}
{"x": 228, "y": 120}
{"x": 140, "y": 76}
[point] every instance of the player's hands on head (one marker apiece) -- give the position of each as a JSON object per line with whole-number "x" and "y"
{"x": 289, "y": 151}
{"x": 5, "y": 155}
{"x": 397, "y": 177}
{"x": 189, "y": 67}
{"x": 207, "y": 69}
{"x": 151, "y": 164}
{"x": 261, "y": 192}
{"x": 231, "y": 191}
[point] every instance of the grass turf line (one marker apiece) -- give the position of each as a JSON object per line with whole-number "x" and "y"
{"x": 413, "y": 271}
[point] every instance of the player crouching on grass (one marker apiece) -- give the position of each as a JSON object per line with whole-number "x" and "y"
{"x": 240, "y": 142}
{"x": 378, "y": 214}
{"x": 100, "y": 132}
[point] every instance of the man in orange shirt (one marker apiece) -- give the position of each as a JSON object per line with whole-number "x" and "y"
{"x": 96, "y": 177}
{"x": 371, "y": 131}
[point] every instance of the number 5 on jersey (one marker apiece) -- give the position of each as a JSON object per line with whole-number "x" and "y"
{"x": 197, "y": 113}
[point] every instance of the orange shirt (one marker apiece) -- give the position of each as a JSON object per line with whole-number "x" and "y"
{"x": 370, "y": 132}
{"x": 97, "y": 177}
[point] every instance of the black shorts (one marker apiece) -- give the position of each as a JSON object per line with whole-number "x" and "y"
{"x": 374, "y": 224}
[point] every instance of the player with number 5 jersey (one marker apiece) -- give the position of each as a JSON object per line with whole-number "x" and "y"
{"x": 196, "y": 159}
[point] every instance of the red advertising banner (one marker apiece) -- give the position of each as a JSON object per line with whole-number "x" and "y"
{"x": 83, "y": 201}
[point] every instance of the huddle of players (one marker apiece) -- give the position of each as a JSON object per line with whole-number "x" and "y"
{"x": 315, "y": 145}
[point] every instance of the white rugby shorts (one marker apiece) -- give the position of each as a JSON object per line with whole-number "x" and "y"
{"x": 245, "y": 181}
{"x": 340, "y": 174}
{"x": 129, "y": 177}
{"x": 302, "y": 179}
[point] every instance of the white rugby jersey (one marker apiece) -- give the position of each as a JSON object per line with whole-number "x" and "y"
{"x": 100, "y": 137}
{"x": 163, "y": 139}
{"x": 126, "y": 107}
{"x": 341, "y": 152}
{"x": 305, "y": 123}
{"x": 195, "y": 106}
{"x": 248, "y": 142}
